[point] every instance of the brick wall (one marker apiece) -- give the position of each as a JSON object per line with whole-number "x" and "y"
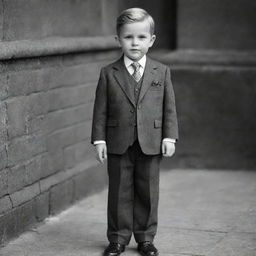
{"x": 50, "y": 56}
{"x": 46, "y": 160}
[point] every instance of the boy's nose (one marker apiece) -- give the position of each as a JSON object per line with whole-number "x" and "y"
{"x": 134, "y": 41}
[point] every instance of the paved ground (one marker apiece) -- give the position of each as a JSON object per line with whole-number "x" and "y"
{"x": 210, "y": 213}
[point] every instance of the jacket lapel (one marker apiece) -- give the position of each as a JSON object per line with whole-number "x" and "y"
{"x": 149, "y": 75}
{"x": 120, "y": 77}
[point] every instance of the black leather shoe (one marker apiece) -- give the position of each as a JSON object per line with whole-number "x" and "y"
{"x": 147, "y": 249}
{"x": 114, "y": 249}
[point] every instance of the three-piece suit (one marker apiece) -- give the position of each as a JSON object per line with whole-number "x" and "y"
{"x": 133, "y": 118}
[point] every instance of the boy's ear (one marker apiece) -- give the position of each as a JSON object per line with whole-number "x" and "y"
{"x": 152, "y": 40}
{"x": 117, "y": 39}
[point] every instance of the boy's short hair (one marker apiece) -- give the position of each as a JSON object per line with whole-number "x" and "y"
{"x": 134, "y": 15}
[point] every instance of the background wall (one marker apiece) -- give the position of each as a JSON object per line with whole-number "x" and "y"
{"x": 50, "y": 56}
{"x": 51, "y": 53}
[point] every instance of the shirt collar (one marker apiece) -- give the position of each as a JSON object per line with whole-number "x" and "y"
{"x": 128, "y": 62}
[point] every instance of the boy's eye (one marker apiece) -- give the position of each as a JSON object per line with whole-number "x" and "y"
{"x": 128, "y": 37}
{"x": 142, "y": 37}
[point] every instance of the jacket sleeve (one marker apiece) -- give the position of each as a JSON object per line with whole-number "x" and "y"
{"x": 100, "y": 110}
{"x": 170, "y": 123}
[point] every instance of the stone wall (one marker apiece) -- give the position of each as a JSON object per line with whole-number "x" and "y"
{"x": 51, "y": 53}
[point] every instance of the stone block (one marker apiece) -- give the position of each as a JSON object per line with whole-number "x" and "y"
{"x": 65, "y": 117}
{"x": 77, "y": 74}
{"x": 42, "y": 206}
{"x": 26, "y": 81}
{"x": 3, "y": 182}
{"x": 36, "y": 124}
{"x": 8, "y": 226}
{"x": 52, "y": 162}
{"x": 3, "y": 157}
{"x": 34, "y": 169}
{"x": 21, "y": 109}
{"x": 26, "y": 194}
{"x": 36, "y": 19}
{"x": 68, "y": 136}
{"x": 76, "y": 153}
{"x": 16, "y": 178}
{"x": 5, "y": 204}
{"x": 3, "y": 79}
{"x": 1, "y": 21}
{"x": 26, "y": 174}
{"x": 61, "y": 196}
{"x": 26, "y": 216}
{"x": 24, "y": 148}
{"x": 90, "y": 181}
{"x": 70, "y": 96}
{"x": 3, "y": 123}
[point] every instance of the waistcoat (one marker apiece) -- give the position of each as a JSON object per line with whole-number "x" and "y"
{"x": 136, "y": 88}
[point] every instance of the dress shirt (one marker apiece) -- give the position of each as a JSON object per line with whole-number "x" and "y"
{"x": 128, "y": 64}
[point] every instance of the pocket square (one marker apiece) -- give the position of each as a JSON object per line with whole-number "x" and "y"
{"x": 156, "y": 84}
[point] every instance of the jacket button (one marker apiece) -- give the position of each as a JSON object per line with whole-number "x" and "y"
{"x": 132, "y": 111}
{"x": 139, "y": 107}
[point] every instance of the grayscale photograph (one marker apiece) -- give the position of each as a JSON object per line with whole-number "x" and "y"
{"x": 127, "y": 128}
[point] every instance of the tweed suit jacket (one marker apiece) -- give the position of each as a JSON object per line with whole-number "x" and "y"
{"x": 116, "y": 114}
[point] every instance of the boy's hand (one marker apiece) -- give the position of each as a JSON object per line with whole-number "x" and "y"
{"x": 101, "y": 151}
{"x": 168, "y": 148}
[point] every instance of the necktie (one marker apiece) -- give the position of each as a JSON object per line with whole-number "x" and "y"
{"x": 136, "y": 74}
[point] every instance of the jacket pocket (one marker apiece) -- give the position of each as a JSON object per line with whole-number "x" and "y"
{"x": 157, "y": 123}
{"x": 112, "y": 123}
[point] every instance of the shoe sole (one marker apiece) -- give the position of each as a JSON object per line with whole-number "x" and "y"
{"x": 143, "y": 254}
{"x": 114, "y": 254}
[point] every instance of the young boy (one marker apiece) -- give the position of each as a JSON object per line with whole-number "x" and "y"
{"x": 134, "y": 124}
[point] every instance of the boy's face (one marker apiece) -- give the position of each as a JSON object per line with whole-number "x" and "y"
{"x": 135, "y": 39}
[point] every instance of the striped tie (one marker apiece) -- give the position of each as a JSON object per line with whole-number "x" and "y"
{"x": 136, "y": 74}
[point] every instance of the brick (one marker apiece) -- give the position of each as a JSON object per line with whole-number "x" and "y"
{"x": 5, "y": 204}
{"x": 34, "y": 169}
{"x": 3, "y": 84}
{"x": 74, "y": 75}
{"x": 36, "y": 124}
{"x": 52, "y": 163}
{"x": 30, "y": 19}
{"x": 8, "y": 226}
{"x": 25, "y": 82}
{"x": 3, "y": 157}
{"x": 70, "y": 96}
{"x": 21, "y": 109}
{"x": 3, "y": 182}
{"x": 77, "y": 153}
{"x": 16, "y": 178}
{"x": 3, "y": 122}
{"x": 68, "y": 136}
{"x": 26, "y": 216}
{"x": 25, "y": 194}
{"x": 66, "y": 117}
{"x": 62, "y": 176}
{"x": 61, "y": 196}
{"x": 42, "y": 206}
{"x": 90, "y": 181}
{"x": 25, "y": 148}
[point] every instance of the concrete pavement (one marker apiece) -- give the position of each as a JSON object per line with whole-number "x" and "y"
{"x": 201, "y": 213}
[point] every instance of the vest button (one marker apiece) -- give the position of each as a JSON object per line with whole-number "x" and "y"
{"x": 132, "y": 111}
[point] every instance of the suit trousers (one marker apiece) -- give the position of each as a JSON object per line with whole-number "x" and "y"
{"x": 133, "y": 195}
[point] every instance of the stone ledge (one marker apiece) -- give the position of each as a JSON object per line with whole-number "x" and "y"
{"x": 191, "y": 57}
{"x": 54, "y": 46}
